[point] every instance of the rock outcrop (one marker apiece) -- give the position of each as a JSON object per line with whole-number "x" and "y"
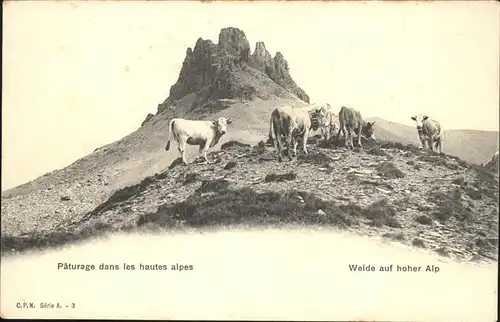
{"x": 146, "y": 120}
{"x": 261, "y": 58}
{"x": 277, "y": 69}
{"x": 227, "y": 71}
{"x": 235, "y": 42}
{"x": 492, "y": 165}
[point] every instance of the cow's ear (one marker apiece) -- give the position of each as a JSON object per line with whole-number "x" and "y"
{"x": 373, "y": 123}
{"x": 229, "y": 120}
{"x": 425, "y": 117}
{"x": 414, "y": 118}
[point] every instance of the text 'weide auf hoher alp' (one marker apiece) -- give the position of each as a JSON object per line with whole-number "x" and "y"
{"x": 125, "y": 267}
{"x": 394, "y": 268}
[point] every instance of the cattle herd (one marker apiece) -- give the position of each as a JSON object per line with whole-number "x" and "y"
{"x": 294, "y": 123}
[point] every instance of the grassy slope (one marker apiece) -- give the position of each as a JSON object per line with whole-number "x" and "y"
{"x": 91, "y": 180}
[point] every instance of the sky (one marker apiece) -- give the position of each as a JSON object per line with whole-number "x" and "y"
{"x": 78, "y": 75}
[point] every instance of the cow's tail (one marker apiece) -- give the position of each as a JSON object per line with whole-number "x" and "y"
{"x": 341, "y": 123}
{"x": 170, "y": 130}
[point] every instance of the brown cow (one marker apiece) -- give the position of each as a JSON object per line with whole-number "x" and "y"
{"x": 291, "y": 122}
{"x": 429, "y": 131}
{"x": 351, "y": 121}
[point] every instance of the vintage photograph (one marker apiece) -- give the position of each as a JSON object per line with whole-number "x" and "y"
{"x": 369, "y": 120}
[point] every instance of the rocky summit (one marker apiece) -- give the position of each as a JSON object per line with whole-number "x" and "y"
{"x": 227, "y": 70}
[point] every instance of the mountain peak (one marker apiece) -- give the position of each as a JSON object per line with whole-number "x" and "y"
{"x": 227, "y": 70}
{"x": 235, "y": 42}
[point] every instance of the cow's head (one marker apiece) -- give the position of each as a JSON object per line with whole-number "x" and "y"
{"x": 221, "y": 124}
{"x": 419, "y": 119}
{"x": 316, "y": 118}
{"x": 368, "y": 130}
{"x": 323, "y": 116}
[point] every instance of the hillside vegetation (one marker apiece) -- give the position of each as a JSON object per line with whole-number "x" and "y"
{"x": 424, "y": 199}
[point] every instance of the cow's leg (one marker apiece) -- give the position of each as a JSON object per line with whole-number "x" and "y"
{"x": 204, "y": 151}
{"x": 278, "y": 148}
{"x": 277, "y": 141}
{"x": 304, "y": 141}
{"x": 338, "y": 134}
{"x": 429, "y": 143}
{"x": 350, "y": 134}
{"x": 182, "y": 149}
{"x": 360, "y": 129}
{"x": 422, "y": 141}
{"x": 295, "y": 144}
{"x": 332, "y": 132}
{"x": 200, "y": 151}
{"x": 289, "y": 143}
{"x": 346, "y": 136}
{"x": 437, "y": 144}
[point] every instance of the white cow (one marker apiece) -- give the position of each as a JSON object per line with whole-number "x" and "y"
{"x": 325, "y": 117}
{"x": 429, "y": 131}
{"x": 205, "y": 134}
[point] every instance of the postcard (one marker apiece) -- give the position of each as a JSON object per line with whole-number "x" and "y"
{"x": 250, "y": 160}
